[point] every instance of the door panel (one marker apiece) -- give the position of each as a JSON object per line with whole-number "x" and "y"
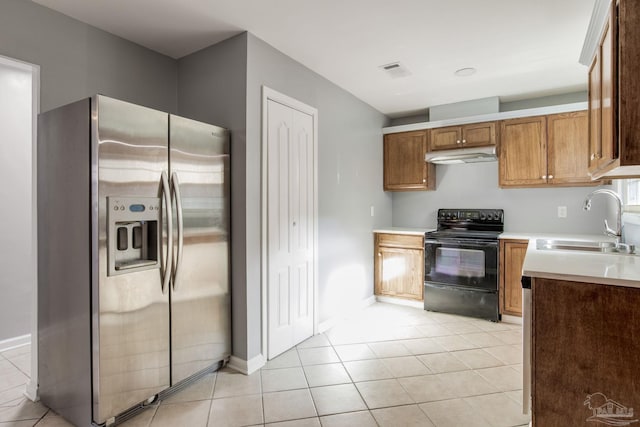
{"x": 523, "y": 151}
{"x": 131, "y": 334}
{"x": 290, "y": 224}
{"x": 200, "y": 298}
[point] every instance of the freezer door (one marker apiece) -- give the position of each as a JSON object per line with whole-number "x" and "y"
{"x": 200, "y": 299}
{"x": 130, "y": 311}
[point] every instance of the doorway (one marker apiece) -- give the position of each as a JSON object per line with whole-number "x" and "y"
{"x": 19, "y": 85}
{"x": 289, "y": 222}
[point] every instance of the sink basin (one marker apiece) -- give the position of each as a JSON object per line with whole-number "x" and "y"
{"x": 575, "y": 245}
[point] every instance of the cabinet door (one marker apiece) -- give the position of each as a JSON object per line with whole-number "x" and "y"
{"x": 595, "y": 114}
{"x": 523, "y": 152}
{"x": 479, "y": 134}
{"x": 401, "y": 272}
{"x": 404, "y": 165}
{"x": 608, "y": 98}
{"x": 568, "y": 148}
{"x": 399, "y": 265}
{"x": 448, "y": 138}
{"x": 512, "y": 253}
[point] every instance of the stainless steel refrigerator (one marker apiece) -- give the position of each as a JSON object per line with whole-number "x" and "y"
{"x": 133, "y": 256}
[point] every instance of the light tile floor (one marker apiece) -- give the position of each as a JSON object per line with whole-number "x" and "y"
{"x": 389, "y": 365}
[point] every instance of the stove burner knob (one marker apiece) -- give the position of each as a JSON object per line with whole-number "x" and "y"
{"x": 490, "y": 217}
{"x": 454, "y": 216}
{"x": 483, "y": 217}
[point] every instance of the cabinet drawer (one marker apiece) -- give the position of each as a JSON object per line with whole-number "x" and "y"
{"x": 400, "y": 240}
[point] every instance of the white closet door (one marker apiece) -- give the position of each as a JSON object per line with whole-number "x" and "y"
{"x": 290, "y": 226}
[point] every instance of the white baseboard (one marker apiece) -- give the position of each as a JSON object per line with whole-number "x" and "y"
{"x": 330, "y": 323}
{"x": 400, "y": 301}
{"x": 31, "y": 391}
{"x": 15, "y": 342}
{"x": 246, "y": 366}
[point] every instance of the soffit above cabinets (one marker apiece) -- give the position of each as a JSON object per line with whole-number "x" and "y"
{"x": 555, "y": 109}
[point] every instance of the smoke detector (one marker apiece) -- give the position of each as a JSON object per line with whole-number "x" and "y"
{"x": 396, "y": 70}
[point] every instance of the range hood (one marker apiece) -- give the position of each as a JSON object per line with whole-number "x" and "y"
{"x": 463, "y": 155}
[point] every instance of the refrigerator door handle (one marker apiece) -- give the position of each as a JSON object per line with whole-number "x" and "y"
{"x": 176, "y": 189}
{"x": 166, "y": 192}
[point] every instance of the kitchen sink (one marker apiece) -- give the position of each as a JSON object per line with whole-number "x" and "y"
{"x": 577, "y": 245}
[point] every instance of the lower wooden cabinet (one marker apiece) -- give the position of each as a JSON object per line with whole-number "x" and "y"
{"x": 399, "y": 265}
{"x": 512, "y": 253}
{"x": 585, "y": 356}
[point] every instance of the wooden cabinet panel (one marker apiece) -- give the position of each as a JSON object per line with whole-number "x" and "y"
{"x": 400, "y": 240}
{"x": 584, "y": 341}
{"x": 404, "y": 165}
{"x": 399, "y": 266}
{"x": 568, "y": 153}
{"x": 607, "y": 153}
{"x": 512, "y": 253}
{"x": 595, "y": 114}
{"x": 523, "y": 152}
{"x": 448, "y": 138}
{"x": 453, "y": 137}
{"x": 479, "y": 134}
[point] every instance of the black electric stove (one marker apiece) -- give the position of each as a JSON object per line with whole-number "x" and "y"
{"x": 461, "y": 263}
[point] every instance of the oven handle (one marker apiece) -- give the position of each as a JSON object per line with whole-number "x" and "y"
{"x": 462, "y": 242}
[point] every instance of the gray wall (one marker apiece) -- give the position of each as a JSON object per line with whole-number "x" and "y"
{"x": 475, "y": 185}
{"x": 212, "y": 88}
{"x": 544, "y": 101}
{"x": 349, "y": 146}
{"x": 350, "y": 181}
{"x": 78, "y": 60}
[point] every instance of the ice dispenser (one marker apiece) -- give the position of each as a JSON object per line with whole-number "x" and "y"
{"x": 133, "y": 234}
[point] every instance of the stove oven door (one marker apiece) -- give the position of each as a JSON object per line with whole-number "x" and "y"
{"x": 461, "y": 277}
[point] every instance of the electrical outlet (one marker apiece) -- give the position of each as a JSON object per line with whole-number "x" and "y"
{"x": 372, "y": 211}
{"x": 562, "y": 211}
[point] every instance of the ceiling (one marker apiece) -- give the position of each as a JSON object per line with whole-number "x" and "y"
{"x": 520, "y": 48}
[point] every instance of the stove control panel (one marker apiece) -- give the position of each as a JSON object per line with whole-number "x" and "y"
{"x": 477, "y": 216}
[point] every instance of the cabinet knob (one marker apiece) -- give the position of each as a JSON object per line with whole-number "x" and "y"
{"x": 424, "y": 180}
{"x": 593, "y": 157}
{"x": 550, "y": 176}
{"x": 458, "y": 142}
{"x": 464, "y": 141}
{"x": 379, "y": 253}
{"x": 544, "y": 177}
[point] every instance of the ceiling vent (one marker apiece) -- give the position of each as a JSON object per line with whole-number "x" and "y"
{"x": 396, "y": 70}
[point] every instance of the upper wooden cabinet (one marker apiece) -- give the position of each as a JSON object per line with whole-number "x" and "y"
{"x": 568, "y": 148}
{"x": 404, "y": 165}
{"x": 473, "y": 135}
{"x": 545, "y": 151}
{"x": 614, "y": 95}
{"x": 602, "y": 136}
{"x": 523, "y": 152}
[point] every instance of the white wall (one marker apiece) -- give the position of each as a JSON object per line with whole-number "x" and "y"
{"x": 16, "y": 263}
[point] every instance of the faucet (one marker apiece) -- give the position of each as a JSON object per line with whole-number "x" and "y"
{"x": 617, "y": 233}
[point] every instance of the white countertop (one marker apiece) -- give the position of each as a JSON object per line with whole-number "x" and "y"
{"x": 403, "y": 230}
{"x": 579, "y": 266}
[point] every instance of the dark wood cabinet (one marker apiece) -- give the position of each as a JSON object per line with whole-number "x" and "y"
{"x": 614, "y": 95}
{"x": 585, "y": 353}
